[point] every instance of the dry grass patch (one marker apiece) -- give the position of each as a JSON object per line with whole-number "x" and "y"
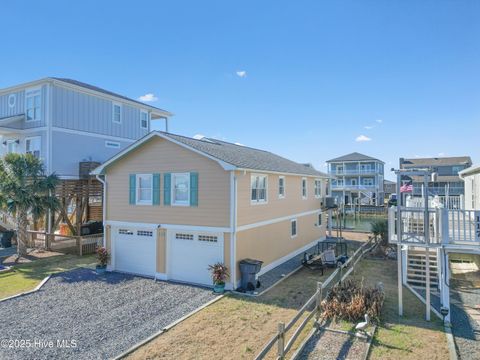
{"x": 235, "y": 327}
{"x": 407, "y": 337}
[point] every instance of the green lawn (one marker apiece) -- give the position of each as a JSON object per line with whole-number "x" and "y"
{"x": 25, "y": 277}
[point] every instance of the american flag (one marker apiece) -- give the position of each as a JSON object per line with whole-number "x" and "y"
{"x": 406, "y": 187}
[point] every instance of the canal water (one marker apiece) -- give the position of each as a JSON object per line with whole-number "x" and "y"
{"x": 359, "y": 222}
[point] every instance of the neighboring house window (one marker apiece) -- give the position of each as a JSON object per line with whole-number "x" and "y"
{"x": 457, "y": 169}
{"x": 117, "y": 113}
{"x": 304, "y": 188}
{"x": 353, "y": 182}
{"x": 368, "y": 181}
{"x": 33, "y": 146}
{"x": 293, "y": 228}
{"x": 339, "y": 169}
{"x": 144, "y": 119}
{"x": 281, "y": 187}
{"x": 319, "y": 223}
{"x": 181, "y": 189}
{"x": 318, "y": 188}
{"x": 144, "y": 189}
{"x": 112, "y": 144}
{"x": 366, "y": 167}
{"x": 12, "y": 99}
{"x": 33, "y": 105}
{"x": 259, "y": 188}
{"x": 11, "y": 146}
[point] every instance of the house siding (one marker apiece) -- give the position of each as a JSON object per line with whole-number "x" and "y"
{"x": 271, "y": 242}
{"x": 69, "y": 149}
{"x": 162, "y": 156}
{"x": 80, "y": 111}
{"x": 19, "y": 108}
{"x": 292, "y": 203}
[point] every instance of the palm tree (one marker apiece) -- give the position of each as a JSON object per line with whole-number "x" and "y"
{"x": 25, "y": 190}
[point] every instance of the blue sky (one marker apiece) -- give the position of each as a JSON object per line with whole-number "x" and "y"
{"x": 304, "y": 79}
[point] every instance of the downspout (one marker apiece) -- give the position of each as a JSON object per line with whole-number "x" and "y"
{"x": 233, "y": 229}
{"x": 104, "y": 206}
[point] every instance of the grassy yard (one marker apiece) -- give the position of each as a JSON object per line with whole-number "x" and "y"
{"x": 235, "y": 327}
{"x": 408, "y": 337}
{"x": 25, "y": 277}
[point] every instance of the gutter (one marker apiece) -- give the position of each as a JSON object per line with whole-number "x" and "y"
{"x": 104, "y": 205}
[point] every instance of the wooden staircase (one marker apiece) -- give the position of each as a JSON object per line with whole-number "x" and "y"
{"x": 416, "y": 276}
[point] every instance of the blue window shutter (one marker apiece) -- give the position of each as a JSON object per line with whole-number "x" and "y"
{"x": 156, "y": 189}
{"x": 193, "y": 189}
{"x": 133, "y": 185}
{"x": 167, "y": 179}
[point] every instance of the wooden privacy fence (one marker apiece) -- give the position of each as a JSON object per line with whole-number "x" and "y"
{"x": 313, "y": 305}
{"x": 79, "y": 245}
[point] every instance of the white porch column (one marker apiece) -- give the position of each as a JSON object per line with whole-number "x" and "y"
{"x": 445, "y": 287}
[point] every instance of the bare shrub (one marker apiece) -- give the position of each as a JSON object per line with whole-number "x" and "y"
{"x": 351, "y": 300}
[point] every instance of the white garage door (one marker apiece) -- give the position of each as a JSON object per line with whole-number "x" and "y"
{"x": 190, "y": 253}
{"x": 135, "y": 250}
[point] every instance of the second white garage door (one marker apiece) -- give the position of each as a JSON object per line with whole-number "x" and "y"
{"x": 135, "y": 250}
{"x": 190, "y": 253}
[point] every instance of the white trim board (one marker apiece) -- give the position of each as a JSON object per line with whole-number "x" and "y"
{"x": 276, "y": 220}
{"x": 117, "y": 223}
{"x": 88, "y": 133}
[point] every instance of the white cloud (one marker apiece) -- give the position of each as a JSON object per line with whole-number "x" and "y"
{"x": 369, "y": 127}
{"x": 198, "y": 136}
{"x": 148, "y": 97}
{"x": 441, "y": 154}
{"x": 362, "y": 138}
{"x": 379, "y": 121}
{"x": 241, "y": 73}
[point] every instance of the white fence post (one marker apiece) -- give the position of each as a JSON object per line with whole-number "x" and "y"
{"x": 318, "y": 305}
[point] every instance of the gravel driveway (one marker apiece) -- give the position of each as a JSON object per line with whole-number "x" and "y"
{"x": 99, "y": 317}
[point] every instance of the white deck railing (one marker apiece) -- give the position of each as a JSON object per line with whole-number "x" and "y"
{"x": 446, "y": 227}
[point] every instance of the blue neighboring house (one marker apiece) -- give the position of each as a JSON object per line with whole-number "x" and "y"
{"x": 358, "y": 179}
{"x": 65, "y": 122}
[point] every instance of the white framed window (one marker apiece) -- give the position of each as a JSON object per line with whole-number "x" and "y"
{"x": 112, "y": 144}
{"x": 181, "y": 189}
{"x": 339, "y": 182}
{"x": 318, "y": 188}
{"x": 144, "y": 189}
{"x": 304, "y": 188}
{"x": 125, "y": 232}
{"x": 367, "y": 181}
{"x": 339, "y": 169}
{"x": 144, "y": 119}
{"x": 258, "y": 186}
{"x": 293, "y": 228}
{"x": 117, "y": 113}
{"x": 12, "y": 146}
{"x": 12, "y": 100}
{"x": 33, "y": 146}
{"x": 181, "y": 236}
{"x": 319, "y": 219}
{"x": 281, "y": 187}
{"x": 353, "y": 182}
{"x": 33, "y": 104}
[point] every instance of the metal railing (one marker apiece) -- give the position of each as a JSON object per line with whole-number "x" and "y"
{"x": 354, "y": 187}
{"x": 284, "y": 345}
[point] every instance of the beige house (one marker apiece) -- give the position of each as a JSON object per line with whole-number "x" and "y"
{"x": 174, "y": 205}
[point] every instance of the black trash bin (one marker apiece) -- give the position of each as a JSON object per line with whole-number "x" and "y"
{"x": 249, "y": 268}
{"x": 6, "y": 239}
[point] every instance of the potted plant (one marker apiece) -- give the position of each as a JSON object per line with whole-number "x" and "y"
{"x": 102, "y": 258}
{"x": 219, "y": 274}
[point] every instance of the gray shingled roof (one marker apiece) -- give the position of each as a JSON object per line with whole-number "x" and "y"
{"x": 244, "y": 157}
{"x": 355, "y": 156}
{"x": 438, "y": 161}
{"x": 96, "y": 88}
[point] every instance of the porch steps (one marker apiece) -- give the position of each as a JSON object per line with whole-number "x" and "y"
{"x": 416, "y": 269}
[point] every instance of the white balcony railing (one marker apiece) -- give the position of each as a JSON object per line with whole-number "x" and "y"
{"x": 354, "y": 172}
{"x": 354, "y": 187}
{"x": 445, "y": 227}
